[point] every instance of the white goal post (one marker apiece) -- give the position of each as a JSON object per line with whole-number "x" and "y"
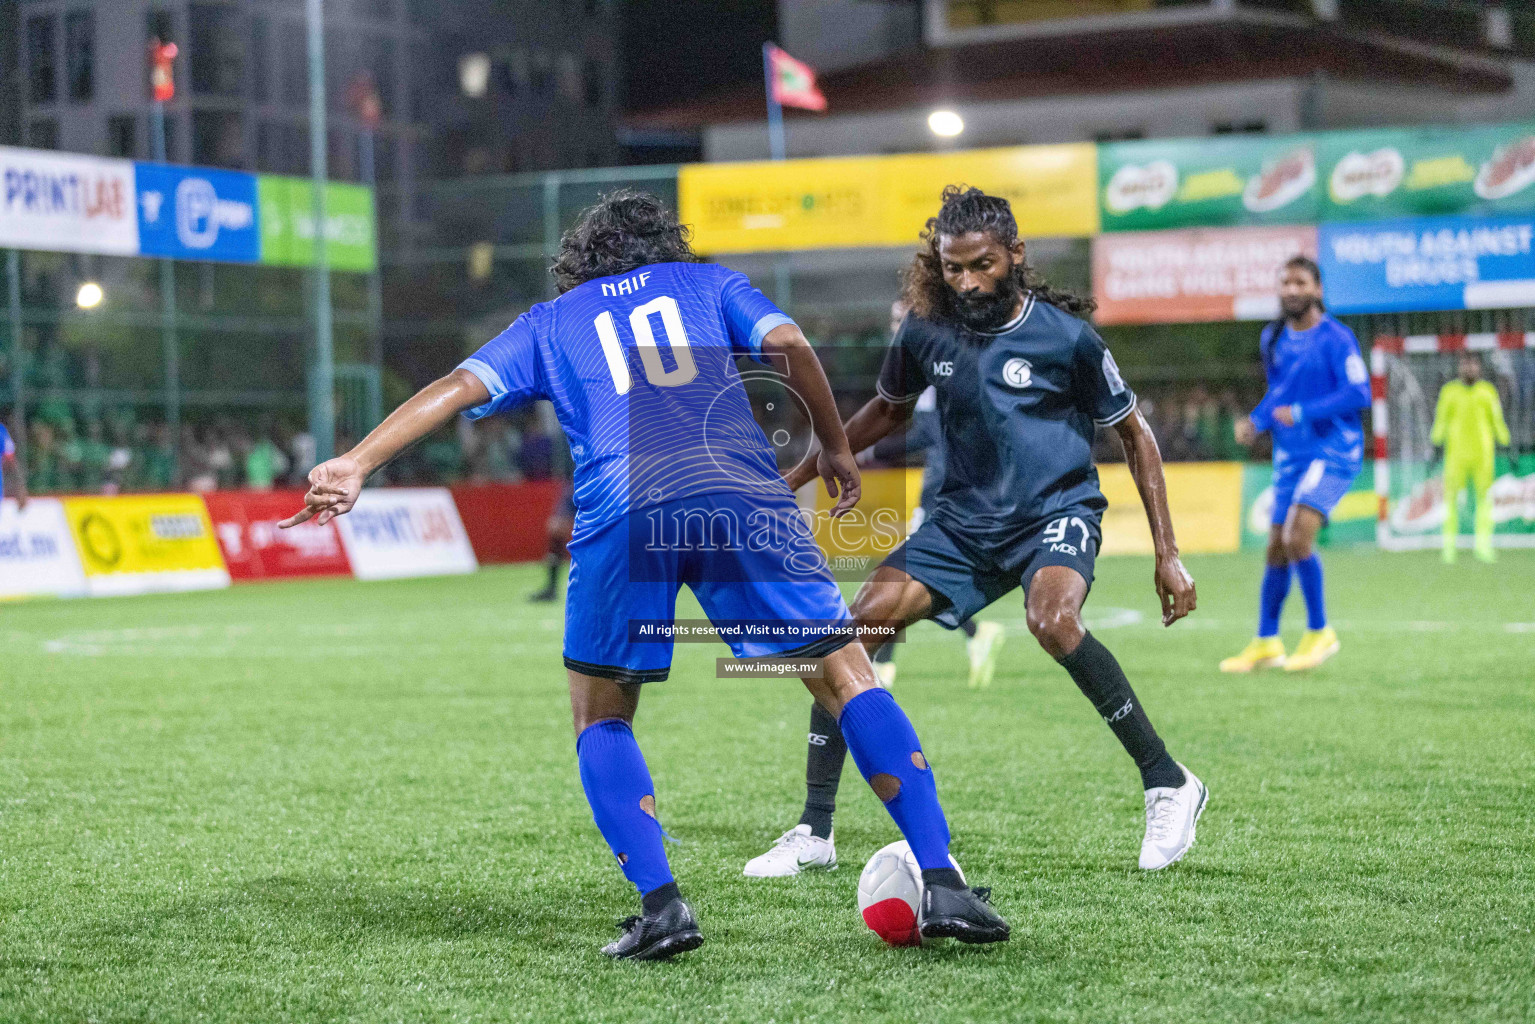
{"x": 1406, "y": 375}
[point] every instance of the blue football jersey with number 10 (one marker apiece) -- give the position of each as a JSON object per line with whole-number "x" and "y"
{"x": 641, "y": 370}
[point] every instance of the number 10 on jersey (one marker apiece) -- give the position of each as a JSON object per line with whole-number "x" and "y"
{"x": 645, "y": 340}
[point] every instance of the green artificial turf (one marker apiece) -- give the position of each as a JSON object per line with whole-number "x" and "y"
{"x": 333, "y": 801}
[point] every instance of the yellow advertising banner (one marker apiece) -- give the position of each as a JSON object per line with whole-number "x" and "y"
{"x": 144, "y": 543}
{"x": 881, "y": 200}
{"x": 1205, "y": 499}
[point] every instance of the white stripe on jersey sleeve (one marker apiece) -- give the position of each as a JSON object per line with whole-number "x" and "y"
{"x": 1118, "y": 416}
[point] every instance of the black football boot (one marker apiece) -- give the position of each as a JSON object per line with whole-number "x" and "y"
{"x": 669, "y": 931}
{"x": 963, "y": 914}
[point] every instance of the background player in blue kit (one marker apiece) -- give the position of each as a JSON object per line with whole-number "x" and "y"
{"x": 676, "y": 484}
{"x": 1317, "y": 387}
{"x": 1021, "y": 385}
{"x": 10, "y": 465}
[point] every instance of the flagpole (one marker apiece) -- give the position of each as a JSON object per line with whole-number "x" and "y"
{"x": 774, "y": 108}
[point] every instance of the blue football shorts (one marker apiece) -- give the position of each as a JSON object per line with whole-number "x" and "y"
{"x": 1318, "y": 483}
{"x": 748, "y": 558}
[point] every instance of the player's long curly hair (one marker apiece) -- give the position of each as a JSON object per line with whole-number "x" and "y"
{"x": 965, "y": 210}
{"x": 622, "y": 231}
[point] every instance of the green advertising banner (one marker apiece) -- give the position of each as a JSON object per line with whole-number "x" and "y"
{"x": 1185, "y": 183}
{"x": 287, "y": 224}
{"x": 1325, "y": 176}
{"x": 1424, "y": 172}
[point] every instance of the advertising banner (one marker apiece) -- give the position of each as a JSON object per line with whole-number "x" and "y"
{"x": 880, "y": 200}
{"x": 245, "y": 523}
{"x": 37, "y": 554}
{"x": 1205, "y": 499}
{"x": 406, "y": 531}
{"x": 1428, "y": 263}
{"x": 287, "y": 224}
{"x": 140, "y": 544}
{"x": 1418, "y": 514}
{"x": 1156, "y": 277}
{"x": 1351, "y": 522}
{"x": 505, "y": 522}
{"x": 1183, "y": 183}
{"x": 1393, "y": 173}
{"x": 60, "y": 202}
{"x": 196, "y": 213}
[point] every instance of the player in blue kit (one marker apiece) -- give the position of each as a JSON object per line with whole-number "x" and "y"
{"x": 11, "y": 466}
{"x": 1021, "y": 384}
{"x": 676, "y": 484}
{"x": 1317, "y": 387}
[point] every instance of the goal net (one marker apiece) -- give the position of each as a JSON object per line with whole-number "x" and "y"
{"x": 1407, "y": 374}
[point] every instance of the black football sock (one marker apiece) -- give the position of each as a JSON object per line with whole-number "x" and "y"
{"x": 823, "y": 771}
{"x": 654, "y": 901}
{"x": 968, "y": 628}
{"x": 886, "y": 652}
{"x": 1102, "y": 681}
{"x": 944, "y": 878}
{"x": 552, "y": 566}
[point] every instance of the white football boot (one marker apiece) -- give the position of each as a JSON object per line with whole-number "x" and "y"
{"x": 983, "y": 649}
{"x": 796, "y": 850}
{"x": 1171, "y": 815}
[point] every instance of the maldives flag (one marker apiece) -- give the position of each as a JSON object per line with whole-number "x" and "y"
{"x": 793, "y": 81}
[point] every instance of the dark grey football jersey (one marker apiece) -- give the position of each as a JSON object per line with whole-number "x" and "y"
{"x": 1017, "y": 410}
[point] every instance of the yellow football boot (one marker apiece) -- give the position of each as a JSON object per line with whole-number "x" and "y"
{"x": 1316, "y": 646}
{"x": 1262, "y": 652}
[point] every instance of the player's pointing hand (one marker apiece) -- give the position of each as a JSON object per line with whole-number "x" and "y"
{"x": 333, "y": 490}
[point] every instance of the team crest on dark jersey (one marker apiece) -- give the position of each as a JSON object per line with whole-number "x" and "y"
{"x": 1017, "y": 373}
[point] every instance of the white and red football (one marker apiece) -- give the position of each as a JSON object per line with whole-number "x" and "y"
{"x": 890, "y": 895}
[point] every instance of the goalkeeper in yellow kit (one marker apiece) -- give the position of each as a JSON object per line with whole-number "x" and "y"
{"x": 1468, "y": 422}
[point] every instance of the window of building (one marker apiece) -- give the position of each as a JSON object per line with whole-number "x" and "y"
{"x": 377, "y": 57}
{"x": 293, "y": 63}
{"x": 1239, "y": 128}
{"x": 376, "y": 10}
{"x": 123, "y": 136}
{"x": 43, "y": 133}
{"x": 218, "y": 138}
{"x": 570, "y": 77}
{"x": 160, "y": 25}
{"x": 593, "y": 7}
{"x": 80, "y": 55}
{"x": 261, "y": 57}
{"x": 592, "y": 85}
{"x": 42, "y": 59}
{"x": 282, "y": 148}
{"x": 217, "y": 49}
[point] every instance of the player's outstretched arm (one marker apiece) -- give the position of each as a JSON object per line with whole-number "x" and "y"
{"x": 335, "y": 485}
{"x": 835, "y": 463}
{"x": 1175, "y": 587}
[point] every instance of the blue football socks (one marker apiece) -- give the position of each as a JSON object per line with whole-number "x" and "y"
{"x": 1309, "y": 572}
{"x": 618, "y": 787}
{"x": 883, "y": 743}
{"x": 1276, "y": 587}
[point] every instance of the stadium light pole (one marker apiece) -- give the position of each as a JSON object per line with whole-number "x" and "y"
{"x": 322, "y": 377}
{"x": 162, "y": 82}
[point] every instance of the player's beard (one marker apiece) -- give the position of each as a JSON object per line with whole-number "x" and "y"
{"x": 988, "y": 311}
{"x": 1297, "y": 307}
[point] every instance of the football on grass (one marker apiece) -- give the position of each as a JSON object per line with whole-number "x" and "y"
{"x": 890, "y": 895}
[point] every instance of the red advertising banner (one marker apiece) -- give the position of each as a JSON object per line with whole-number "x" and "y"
{"x": 506, "y": 522}
{"x": 1162, "y": 277}
{"x": 245, "y": 523}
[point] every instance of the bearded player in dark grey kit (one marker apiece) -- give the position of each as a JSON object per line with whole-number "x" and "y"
{"x": 1021, "y": 383}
